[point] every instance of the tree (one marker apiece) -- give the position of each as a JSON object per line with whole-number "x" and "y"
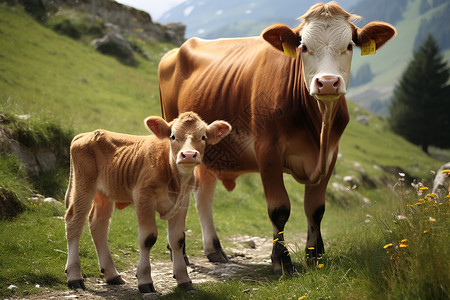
{"x": 420, "y": 109}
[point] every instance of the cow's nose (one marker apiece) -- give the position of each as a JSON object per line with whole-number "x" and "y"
{"x": 188, "y": 157}
{"x": 328, "y": 85}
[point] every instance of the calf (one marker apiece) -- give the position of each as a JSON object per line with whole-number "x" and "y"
{"x": 155, "y": 173}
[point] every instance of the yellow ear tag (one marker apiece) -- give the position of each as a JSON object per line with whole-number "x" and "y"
{"x": 368, "y": 48}
{"x": 289, "y": 50}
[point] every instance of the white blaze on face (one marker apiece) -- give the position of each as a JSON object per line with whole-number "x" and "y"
{"x": 326, "y": 47}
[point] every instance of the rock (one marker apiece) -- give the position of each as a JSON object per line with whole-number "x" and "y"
{"x": 24, "y": 117}
{"x": 51, "y": 200}
{"x": 4, "y": 119}
{"x": 362, "y": 119}
{"x": 251, "y": 244}
{"x": 175, "y": 32}
{"x": 351, "y": 181}
{"x": 128, "y": 20}
{"x": 441, "y": 183}
{"x": 116, "y": 45}
{"x": 46, "y": 160}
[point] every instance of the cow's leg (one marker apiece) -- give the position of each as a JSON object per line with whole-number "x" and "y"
{"x": 205, "y": 186}
{"x": 176, "y": 238}
{"x": 314, "y": 204}
{"x": 99, "y": 217}
{"x": 79, "y": 205}
{"x": 147, "y": 235}
{"x": 278, "y": 206}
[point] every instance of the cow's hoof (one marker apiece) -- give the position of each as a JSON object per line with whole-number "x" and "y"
{"x": 76, "y": 284}
{"x": 116, "y": 281}
{"x": 187, "y": 286}
{"x": 146, "y": 288}
{"x": 288, "y": 269}
{"x": 218, "y": 257}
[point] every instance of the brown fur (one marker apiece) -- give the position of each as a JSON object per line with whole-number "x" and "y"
{"x": 278, "y": 126}
{"x": 153, "y": 172}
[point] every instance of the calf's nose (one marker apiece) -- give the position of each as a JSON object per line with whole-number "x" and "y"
{"x": 328, "y": 85}
{"x": 188, "y": 157}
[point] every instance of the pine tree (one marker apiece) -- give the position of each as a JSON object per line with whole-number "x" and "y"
{"x": 420, "y": 109}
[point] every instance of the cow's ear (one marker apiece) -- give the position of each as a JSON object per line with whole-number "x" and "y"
{"x": 282, "y": 38}
{"x": 216, "y": 131}
{"x": 158, "y": 126}
{"x": 380, "y": 32}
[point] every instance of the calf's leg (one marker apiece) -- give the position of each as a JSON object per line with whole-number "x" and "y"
{"x": 147, "y": 235}
{"x": 176, "y": 237}
{"x": 99, "y": 218}
{"x": 80, "y": 201}
{"x": 205, "y": 186}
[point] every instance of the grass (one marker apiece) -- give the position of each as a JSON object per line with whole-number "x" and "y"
{"x": 65, "y": 82}
{"x": 45, "y": 73}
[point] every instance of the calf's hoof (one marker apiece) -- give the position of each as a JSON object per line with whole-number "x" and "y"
{"x": 146, "y": 288}
{"x": 116, "y": 281}
{"x": 76, "y": 284}
{"x": 187, "y": 286}
{"x": 219, "y": 257}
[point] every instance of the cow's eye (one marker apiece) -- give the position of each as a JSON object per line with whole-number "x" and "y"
{"x": 304, "y": 48}
{"x": 172, "y": 137}
{"x": 203, "y": 138}
{"x": 350, "y": 47}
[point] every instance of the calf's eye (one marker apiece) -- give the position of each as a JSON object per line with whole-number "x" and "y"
{"x": 350, "y": 47}
{"x": 203, "y": 138}
{"x": 172, "y": 137}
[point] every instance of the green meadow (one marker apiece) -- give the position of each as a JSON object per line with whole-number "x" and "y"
{"x": 392, "y": 245}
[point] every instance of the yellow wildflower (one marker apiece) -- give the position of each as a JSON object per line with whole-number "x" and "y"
{"x": 445, "y": 171}
{"x": 275, "y": 240}
{"x": 387, "y": 246}
{"x": 302, "y": 298}
{"x": 310, "y": 248}
{"x": 404, "y": 241}
{"x": 426, "y": 231}
{"x": 403, "y": 246}
{"x": 424, "y": 188}
{"x": 320, "y": 266}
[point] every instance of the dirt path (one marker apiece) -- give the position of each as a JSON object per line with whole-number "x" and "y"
{"x": 247, "y": 255}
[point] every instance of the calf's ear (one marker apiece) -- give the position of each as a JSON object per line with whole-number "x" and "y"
{"x": 216, "y": 131}
{"x": 282, "y": 38}
{"x": 158, "y": 126}
{"x": 380, "y": 32}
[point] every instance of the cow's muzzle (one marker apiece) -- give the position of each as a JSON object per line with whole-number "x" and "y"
{"x": 188, "y": 158}
{"x": 328, "y": 87}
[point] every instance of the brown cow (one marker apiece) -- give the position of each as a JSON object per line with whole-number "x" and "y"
{"x": 154, "y": 173}
{"x": 288, "y": 112}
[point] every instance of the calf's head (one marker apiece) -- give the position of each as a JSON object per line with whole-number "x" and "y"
{"x": 324, "y": 43}
{"x": 188, "y": 135}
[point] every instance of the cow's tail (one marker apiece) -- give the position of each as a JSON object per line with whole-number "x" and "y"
{"x": 69, "y": 188}
{"x": 161, "y": 102}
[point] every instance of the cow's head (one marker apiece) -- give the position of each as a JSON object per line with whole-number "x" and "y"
{"x": 188, "y": 136}
{"x": 325, "y": 41}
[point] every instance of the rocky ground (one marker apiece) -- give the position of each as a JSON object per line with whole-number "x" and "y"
{"x": 247, "y": 255}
